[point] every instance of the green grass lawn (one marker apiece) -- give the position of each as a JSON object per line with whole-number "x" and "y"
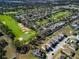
{"x": 27, "y": 36}
{"x": 58, "y": 15}
{"x": 13, "y": 25}
{"x": 76, "y": 55}
{"x": 41, "y": 22}
{"x": 9, "y": 13}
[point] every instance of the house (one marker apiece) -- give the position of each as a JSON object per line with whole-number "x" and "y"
{"x": 39, "y": 53}
{"x": 48, "y": 48}
{"x": 75, "y": 25}
{"x": 36, "y": 52}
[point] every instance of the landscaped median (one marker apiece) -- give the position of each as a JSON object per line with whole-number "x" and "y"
{"x": 23, "y": 37}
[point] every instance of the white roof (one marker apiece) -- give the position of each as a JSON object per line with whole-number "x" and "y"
{"x": 20, "y": 38}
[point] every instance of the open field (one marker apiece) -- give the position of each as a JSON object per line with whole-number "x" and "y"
{"x": 55, "y": 56}
{"x": 27, "y": 36}
{"x": 76, "y": 55}
{"x": 58, "y": 15}
{"x": 29, "y": 55}
{"x": 13, "y": 25}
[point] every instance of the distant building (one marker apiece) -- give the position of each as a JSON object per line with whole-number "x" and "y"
{"x": 37, "y": 52}
{"x": 75, "y": 25}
